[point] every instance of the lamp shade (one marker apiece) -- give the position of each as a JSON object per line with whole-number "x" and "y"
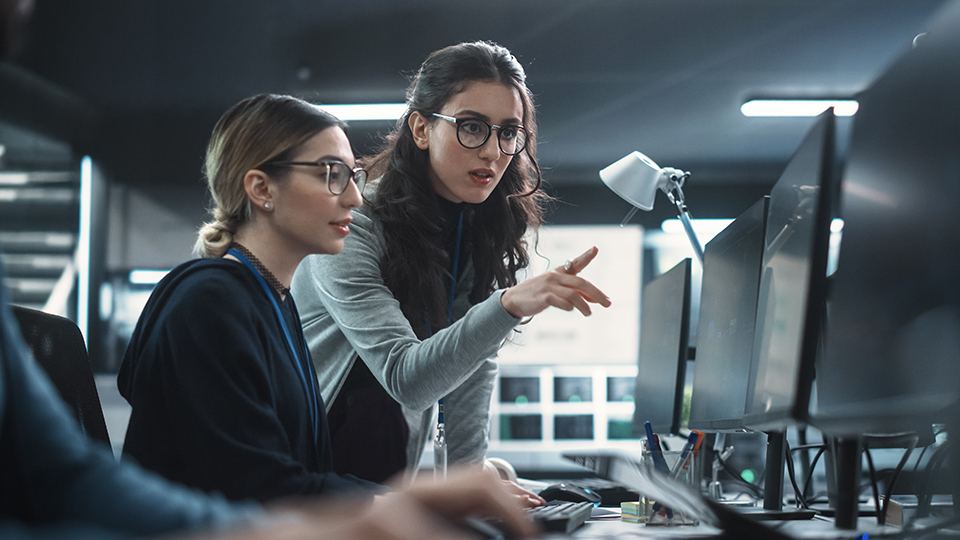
{"x": 635, "y": 178}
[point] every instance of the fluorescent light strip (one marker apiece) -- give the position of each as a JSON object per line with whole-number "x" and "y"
{"x": 83, "y": 245}
{"x": 798, "y": 107}
{"x": 146, "y": 277}
{"x": 704, "y": 227}
{"x": 366, "y": 111}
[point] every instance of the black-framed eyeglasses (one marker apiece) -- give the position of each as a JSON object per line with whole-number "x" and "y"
{"x": 338, "y": 173}
{"x": 473, "y": 133}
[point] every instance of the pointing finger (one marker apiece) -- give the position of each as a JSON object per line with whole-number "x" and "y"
{"x": 576, "y": 265}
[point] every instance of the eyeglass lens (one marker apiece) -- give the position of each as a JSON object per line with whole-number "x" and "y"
{"x": 473, "y": 134}
{"x": 339, "y": 175}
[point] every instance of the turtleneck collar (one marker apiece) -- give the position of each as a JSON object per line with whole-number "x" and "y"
{"x": 450, "y": 211}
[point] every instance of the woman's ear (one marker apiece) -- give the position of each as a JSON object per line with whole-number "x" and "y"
{"x": 419, "y": 129}
{"x": 259, "y": 188}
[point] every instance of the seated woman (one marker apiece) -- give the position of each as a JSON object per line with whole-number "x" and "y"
{"x": 426, "y": 289}
{"x": 222, "y": 386}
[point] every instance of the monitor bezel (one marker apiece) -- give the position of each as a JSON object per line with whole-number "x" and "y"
{"x": 798, "y": 410}
{"x": 757, "y": 212}
{"x": 685, "y": 268}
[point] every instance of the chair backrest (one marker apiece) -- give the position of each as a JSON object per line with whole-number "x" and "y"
{"x": 58, "y": 346}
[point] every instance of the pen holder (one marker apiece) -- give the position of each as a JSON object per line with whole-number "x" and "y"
{"x": 685, "y": 469}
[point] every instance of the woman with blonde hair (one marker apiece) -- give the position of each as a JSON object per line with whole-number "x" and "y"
{"x": 222, "y": 386}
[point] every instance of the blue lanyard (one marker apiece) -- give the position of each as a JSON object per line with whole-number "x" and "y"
{"x": 308, "y": 387}
{"x": 453, "y": 293}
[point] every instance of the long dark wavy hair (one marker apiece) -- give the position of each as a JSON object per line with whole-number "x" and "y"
{"x": 416, "y": 266}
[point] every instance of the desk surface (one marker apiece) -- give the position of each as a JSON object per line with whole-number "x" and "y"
{"x": 611, "y": 528}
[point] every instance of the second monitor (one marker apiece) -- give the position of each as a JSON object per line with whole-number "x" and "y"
{"x": 664, "y": 329}
{"x": 725, "y": 328}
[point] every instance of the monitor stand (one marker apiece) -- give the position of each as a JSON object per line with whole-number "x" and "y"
{"x": 846, "y": 500}
{"x": 773, "y": 509}
{"x": 721, "y": 452}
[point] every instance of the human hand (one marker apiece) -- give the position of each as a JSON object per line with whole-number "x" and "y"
{"x": 473, "y": 492}
{"x": 389, "y": 517}
{"x": 561, "y": 288}
{"x": 422, "y": 510}
{"x": 524, "y": 498}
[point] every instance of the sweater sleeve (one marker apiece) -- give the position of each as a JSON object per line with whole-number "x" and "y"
{"x": 72, "y": 486}
{"x": 348, "y": 290}
{"x": 467, "y": 416}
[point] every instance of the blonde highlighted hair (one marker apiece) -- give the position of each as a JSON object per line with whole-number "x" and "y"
{"x": 251, "y": 135}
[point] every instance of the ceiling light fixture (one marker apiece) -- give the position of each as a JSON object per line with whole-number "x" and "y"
{"x": 365, "y": 111}
{"x": 798, "y": 107}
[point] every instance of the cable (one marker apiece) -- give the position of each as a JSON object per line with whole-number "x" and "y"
{"x": 923, "y": 493}
{"x": 873, "y": 478}
{"x": 882, "y": 516}
{"x": 736, "y": 474}
{"x": 813, "y": 465}
{"x": 806, "y": 447}
{"x": 801, "y": 502}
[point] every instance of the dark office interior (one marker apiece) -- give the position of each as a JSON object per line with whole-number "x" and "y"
{"x": 132, "y": 90}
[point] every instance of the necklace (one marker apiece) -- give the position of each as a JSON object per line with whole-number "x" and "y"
{"x": 267, "y": 275}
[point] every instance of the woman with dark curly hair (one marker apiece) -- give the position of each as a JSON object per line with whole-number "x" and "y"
{"x": 425, "y": 291}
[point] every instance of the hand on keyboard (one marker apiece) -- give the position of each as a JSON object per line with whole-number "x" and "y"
{"x": 474, "y": 493}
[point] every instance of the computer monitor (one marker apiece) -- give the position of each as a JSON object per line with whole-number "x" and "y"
{"x": 792, "y": 284}
{"x": 664, "y": 326}
{"x": 892, "y": 360}
{"x": 892, "y": 356}
{"x": 790, "y": 303}
{"x": 725, "y": 328}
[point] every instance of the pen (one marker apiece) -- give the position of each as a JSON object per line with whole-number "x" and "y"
{"x": 700, "y": 438}
{"x": 658, "y": 462}
{"x": 688, "y": 448}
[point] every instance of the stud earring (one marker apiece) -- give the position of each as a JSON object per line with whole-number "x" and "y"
{"x": 266, "y": 205}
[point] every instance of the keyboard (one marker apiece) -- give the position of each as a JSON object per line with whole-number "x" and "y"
{"x": 562, "y": 517}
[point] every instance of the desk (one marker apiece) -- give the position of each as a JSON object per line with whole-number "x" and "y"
{"x": 614, "y": 528}
{"x": 820, "y": 528}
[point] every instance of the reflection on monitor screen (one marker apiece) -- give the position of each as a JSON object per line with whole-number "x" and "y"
{"x": 892, "y": 361}
{"x": 792, "y": 284}
{"x": 664, "y": 326}
{"x": 725, "y": 328}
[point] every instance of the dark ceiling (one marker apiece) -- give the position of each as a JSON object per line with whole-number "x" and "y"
{"x": 666, "y": 77}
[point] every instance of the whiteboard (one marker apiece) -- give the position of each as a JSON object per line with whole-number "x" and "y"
{"x": 609, "y": 335}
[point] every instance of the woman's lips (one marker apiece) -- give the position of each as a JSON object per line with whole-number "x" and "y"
{"x": 481, "y": 177}
{"x": 342, "y": 226}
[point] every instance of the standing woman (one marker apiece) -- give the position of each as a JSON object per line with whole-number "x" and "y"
{"x": 425, "y": 291}
{"x": 221, "y": 383}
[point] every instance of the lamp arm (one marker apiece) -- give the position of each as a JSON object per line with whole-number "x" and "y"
{"x": 675, "y": 194}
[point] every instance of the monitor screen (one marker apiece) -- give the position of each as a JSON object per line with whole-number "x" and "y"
{"x": 664, "y": 325}
{"x": 892, "y": 360}
{"x": 792, "y": 281}
{"x": 725, "y": 328}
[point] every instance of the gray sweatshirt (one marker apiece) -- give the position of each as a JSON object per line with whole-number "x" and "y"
{"x": 347, "y": 310}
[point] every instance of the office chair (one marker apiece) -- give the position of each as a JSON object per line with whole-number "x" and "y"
{"x": 58, "y": 347}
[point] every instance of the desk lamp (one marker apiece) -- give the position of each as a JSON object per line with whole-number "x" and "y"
{"x": 636, "y": 179}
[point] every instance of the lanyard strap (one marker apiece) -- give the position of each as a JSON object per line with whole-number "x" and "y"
{"x": 308, "y": 387}
{"x": 453, "y": 294}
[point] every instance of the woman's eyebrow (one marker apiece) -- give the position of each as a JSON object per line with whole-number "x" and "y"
{"x": 330, "y": 157}
{"x": 481, "y": 116}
